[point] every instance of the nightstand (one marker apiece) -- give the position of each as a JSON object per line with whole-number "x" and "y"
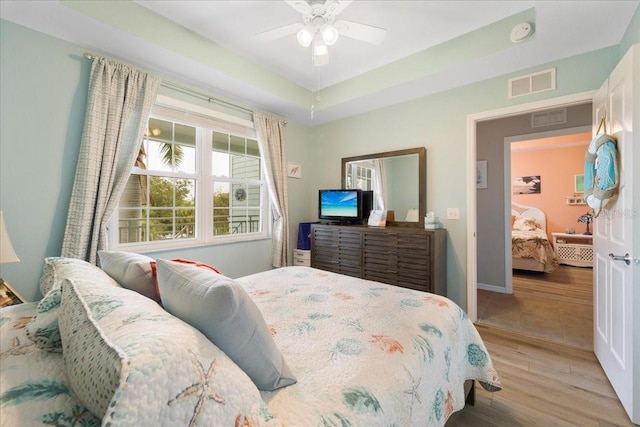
{"x": 8, "y": 296}
{"x": 574, "y": 249}
{"x": 302, "y": 257}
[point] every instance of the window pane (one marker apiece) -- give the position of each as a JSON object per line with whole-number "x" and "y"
{"x": 245, "y": 220}
{"x": 220, "y": 142}
{"x": 220, "y": 208}
{"x": 170, "y": 147}
{"x": 220, "y": 164}
{"x": 237, "y": 145}
{"x": 252, "y": 148}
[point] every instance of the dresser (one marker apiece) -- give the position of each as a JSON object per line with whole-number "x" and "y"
{"x": 402, "y": 256}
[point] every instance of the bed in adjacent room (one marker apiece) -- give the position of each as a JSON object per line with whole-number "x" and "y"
{"x": 530, "y": 246}
{"x": 362, "y": 353}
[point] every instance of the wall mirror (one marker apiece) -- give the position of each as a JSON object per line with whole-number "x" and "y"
{"x": 398, "y": 180}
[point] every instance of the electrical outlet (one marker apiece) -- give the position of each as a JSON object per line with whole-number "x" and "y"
{"x": 453, "y": 213}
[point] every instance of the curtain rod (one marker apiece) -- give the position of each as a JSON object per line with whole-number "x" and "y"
{"x": 190, "y": 91}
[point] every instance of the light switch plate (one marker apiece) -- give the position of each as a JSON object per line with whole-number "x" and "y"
{"x": 453, "y": 213}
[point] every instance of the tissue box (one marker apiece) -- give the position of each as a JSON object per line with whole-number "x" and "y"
{"x": 432, "y": 225}
{"x": 431, "y": 219}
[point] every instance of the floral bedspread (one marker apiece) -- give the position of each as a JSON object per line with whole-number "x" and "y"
{"x": 534, "y": 245}
{"x": 35, "y": 388}
{"x": 366, "y": 353}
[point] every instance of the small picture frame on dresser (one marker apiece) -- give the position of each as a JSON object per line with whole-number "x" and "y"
{"x": 8, "y": 296}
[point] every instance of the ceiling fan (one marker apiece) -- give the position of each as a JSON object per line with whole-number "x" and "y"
{"x": 321, "y": 29}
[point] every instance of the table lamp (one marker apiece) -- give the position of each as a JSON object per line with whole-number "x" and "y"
{"x": 7, "y": 254}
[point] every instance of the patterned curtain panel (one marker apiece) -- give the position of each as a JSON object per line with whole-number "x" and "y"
{"x": 118, "y": 107}
{"x": 271, "y": 140}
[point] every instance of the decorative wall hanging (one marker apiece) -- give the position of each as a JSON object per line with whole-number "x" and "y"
{"x": 294, "y": 170}
{"x": 526, "y": 185}
{"x": 481, "y": 174}
{"x": 601, "y": 178}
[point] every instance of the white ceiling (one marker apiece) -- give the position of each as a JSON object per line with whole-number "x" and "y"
{"x": 562, "y": 29}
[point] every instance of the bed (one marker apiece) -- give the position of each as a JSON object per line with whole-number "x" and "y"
{"x": 347, "y": 352}
{"x": 530, "y": 246}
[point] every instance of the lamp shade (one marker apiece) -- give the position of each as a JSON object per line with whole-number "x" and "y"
{"x": 7, "y": 254}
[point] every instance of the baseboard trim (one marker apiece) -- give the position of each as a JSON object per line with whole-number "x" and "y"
{"x": 492, "y": 288}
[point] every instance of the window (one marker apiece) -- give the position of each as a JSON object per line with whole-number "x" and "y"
{"x": 197, "y": 180}
{"x": 360, "y": 176}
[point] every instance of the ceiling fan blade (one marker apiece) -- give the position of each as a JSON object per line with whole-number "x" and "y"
{"x": 279, "y": 32}
{"x": 363, "y": 32}
{"x": 334, "y": 7}
{"x": 300, "y": 5}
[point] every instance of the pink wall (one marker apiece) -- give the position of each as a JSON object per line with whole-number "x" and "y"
{"x": 556, "y": 160}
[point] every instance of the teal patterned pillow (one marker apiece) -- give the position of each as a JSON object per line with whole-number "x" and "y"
{"x": 34, "y": 388}
{"x": 43, "y": 328}
{"x": 132, "y": 363}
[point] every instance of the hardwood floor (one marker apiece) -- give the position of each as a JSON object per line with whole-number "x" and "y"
{"x": 544, "y": 384}
{"x": 555, "y": 306}
{"x": 540, "y": 339}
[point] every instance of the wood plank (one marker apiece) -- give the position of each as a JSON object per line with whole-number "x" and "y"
{"x": 544, "y": 384}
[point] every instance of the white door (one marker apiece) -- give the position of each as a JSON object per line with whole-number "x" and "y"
{"x": 615, "y": 234}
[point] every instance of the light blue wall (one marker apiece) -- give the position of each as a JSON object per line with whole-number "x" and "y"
{"x": 43, "y": 86}
{"x": 43, "y": 97}
{"x": 439, "y": 123}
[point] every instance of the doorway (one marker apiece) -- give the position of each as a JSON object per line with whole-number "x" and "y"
{"x": 554, "y": 304}
{"x": 472, "y": 223}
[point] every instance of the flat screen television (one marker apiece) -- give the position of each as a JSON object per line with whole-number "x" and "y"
{"x": 341, "y": 206}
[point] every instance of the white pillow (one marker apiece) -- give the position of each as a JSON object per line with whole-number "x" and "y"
{"x": 223, "y": 311}
{"x": 526, "y": 224}
{"x": 133, "y": 271}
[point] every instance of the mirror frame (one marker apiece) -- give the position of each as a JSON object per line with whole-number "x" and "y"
{"x": 422, "y": 179}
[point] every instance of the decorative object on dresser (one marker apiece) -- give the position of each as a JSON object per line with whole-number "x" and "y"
{"x": 402, "y": 256}
{"x": 7, "y": 295}
{"x": 586, "y": 219}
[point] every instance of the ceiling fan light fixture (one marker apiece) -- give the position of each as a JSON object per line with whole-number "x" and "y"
{"x": 329, "y": 34}
{"x": 320, "y": 47}
{"x": 305, "y": 35}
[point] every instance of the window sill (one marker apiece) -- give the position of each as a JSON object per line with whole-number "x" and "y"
{"x": 187, "y": 244}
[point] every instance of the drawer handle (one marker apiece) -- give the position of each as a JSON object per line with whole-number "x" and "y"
{"x": 626, "y": 258}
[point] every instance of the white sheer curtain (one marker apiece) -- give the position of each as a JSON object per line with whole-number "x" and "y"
{"x": 118, "y": 107}
{"x": 270, "y": 131}
{"x": 379, "y": 187}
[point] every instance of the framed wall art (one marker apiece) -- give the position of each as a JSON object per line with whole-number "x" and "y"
{"x": 294, "y": 170}
{"x": 578, "y": 183}
{"x": 481, "y": 174}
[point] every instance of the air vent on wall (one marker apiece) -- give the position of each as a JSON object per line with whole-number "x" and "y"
{"x": 532, "y": 83}
{"x": 549, "y": 118}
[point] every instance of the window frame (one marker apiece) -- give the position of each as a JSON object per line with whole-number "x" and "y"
{"x": 204, "y": 179}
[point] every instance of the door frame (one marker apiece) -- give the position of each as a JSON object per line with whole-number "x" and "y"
{"x": 472, "y": 214}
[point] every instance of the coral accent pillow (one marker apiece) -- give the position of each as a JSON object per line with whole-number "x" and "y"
{"x": 223, "y": 311}
{"x": 132, "y": 271}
